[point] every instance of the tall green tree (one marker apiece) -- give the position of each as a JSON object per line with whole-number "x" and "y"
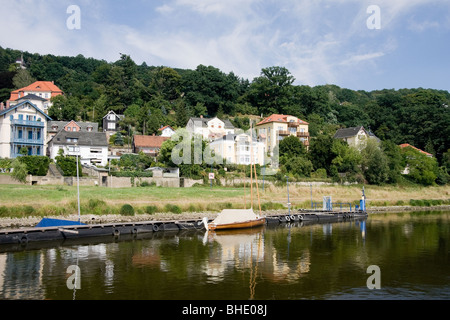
{"x": 374, "y": 163}
{"x": 291, "y": 146}
{"x": 64, "y": 108}
{"x": 272, "y": 90}
{"x": 422, "y": 168}
{"x": 320, "y": 152}
{"x": 22, "y": 79}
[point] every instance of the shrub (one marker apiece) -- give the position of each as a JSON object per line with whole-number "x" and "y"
{"x": 172, "y": 208}
{"x": 127, "y": 210}
{"x": 36, "y": 165}
{"x": 148, "y": 184}
{"x": 151, "y": 209}
{"x": 94, "y": 203}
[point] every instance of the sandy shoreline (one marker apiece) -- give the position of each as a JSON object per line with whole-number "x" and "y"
{"x": 15, "y": 223}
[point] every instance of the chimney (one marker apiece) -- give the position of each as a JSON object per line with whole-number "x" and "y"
{"x": 2, "y": 106}
{"x": 7, "y": 104}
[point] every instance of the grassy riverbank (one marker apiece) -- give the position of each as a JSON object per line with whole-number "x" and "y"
{"x": 24, "y": 200}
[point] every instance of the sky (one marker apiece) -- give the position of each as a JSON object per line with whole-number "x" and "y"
{"x": 355, "y": 44}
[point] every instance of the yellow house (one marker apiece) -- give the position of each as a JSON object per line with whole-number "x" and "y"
{"x": 275, "y": 128}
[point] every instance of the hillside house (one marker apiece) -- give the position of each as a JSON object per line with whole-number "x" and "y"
{"x": 166, "y": 131}
{"x": 355, "y": 136}
{"x": 407, "y": 145}
{"x": 23, "y": 125}
{"x": 111, "y": 122}
{"x": 210, "y": 128}
{"x": 275, "y": 128}
{"x": 91, "y": 147}
{"x": 239, "y": 149}
{"x": 55, "y": 126}
{"x": 150, "y": 145}
{"x": 39, "y": 89}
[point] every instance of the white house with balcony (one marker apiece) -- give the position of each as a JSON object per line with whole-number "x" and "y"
{"x": 91, "y": 147}
{"x": 23, "y": 125}
{"x": 239, "y": 149}
{"x": 210, "y": 128}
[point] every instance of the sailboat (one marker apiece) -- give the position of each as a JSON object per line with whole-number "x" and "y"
{"x": 240, "y": 218}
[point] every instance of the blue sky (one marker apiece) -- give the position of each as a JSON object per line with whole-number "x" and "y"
{"x": 318, "y": 41}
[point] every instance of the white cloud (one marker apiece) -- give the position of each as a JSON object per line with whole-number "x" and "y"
{"x": 164, "y": 9}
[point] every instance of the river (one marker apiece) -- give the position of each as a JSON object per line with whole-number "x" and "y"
{"x": 386, "y": 256}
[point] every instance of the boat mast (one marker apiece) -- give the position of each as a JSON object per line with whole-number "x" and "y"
{"x": 253, "y": 167}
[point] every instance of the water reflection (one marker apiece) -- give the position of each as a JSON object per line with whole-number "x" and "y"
{"x": 289, "y": 261}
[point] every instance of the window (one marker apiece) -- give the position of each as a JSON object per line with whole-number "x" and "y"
{"x": 111, "y": 125}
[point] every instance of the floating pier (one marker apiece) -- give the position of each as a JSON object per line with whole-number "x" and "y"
{"x": 316, "y": 216}
{"x": 26, "y": 235}
{"x": 70, "y": 232}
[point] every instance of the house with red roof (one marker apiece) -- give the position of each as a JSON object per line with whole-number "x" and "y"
{"x": 39, "y": 92}
{"x": 166, "y": 131}
{"x": 150, "y": 145}
{"x": 406, "y": 145}
{"x": 276, "y": 127}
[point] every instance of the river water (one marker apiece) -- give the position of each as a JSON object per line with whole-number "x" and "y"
{"x": 386, "y": 256}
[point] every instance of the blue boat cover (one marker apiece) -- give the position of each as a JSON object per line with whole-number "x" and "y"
{"x": 46, "y": 222}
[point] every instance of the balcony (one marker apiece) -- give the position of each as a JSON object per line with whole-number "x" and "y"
{"x": 28, "y": 123}
{"x": 293, "y": 124}
{"x": 302, "y": 134}
{"x": 283, "y": 133}
{"x": 27, "y": 141}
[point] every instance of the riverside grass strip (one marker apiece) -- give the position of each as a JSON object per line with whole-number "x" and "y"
{"x": 25, "y": 200}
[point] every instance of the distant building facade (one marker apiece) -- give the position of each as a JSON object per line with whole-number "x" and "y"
{"x": 275, "y": 128}
{"x": 150, "y": 145}
{"x": 111, "y": 122}
{"x": 167, "y": 131}
{"x": 39, "y": 89}
{"x": 355, "y": 136}
{"x": 239, "y": 149}
{"x": 210, "y": 128}
{"x": 91, "y": 147}
{"x": 23, "y": 125}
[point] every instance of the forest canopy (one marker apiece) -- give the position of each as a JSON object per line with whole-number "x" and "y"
{"x": 153, "y": 96}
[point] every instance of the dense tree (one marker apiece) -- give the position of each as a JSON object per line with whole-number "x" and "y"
{"x": 271, "y": 91}
{"x": 422, "y": 168}
{"x": 320, "y": 152}
{"x": 64, "y": 108}
{"x": 374, "y": 163}
{"x": 22, "y": 79}
{"x": 212, "y": 88}
{"x": 152, "y": 96}
{"x": 291, "y": 146}
{"x": 346, "y": 162}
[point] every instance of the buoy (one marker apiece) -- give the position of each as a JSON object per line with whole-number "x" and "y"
{"x": 155, "y": 228}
